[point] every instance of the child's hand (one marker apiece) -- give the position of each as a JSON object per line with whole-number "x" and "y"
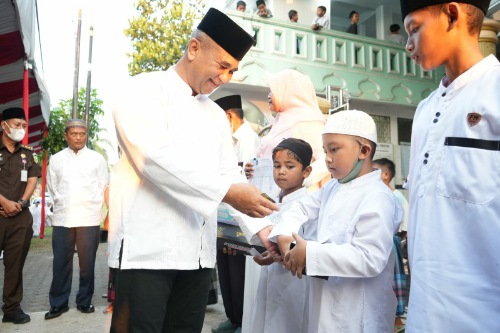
{"x": 295, "y": 259}
{"x": 272, "y": 248}
{"x": 266, "y": 259}
{"x": 284, "y": 243}
{"x": 249, "y": 170}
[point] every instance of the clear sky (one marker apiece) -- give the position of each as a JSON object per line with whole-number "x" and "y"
{"x": 58, "y": 26}
{"x": 58, "y": 21}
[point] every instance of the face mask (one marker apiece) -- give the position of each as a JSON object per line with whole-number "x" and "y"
{"x": 358, "y": 165}
{"x": 353, "y": 173}
{"x": 15, "y": 134}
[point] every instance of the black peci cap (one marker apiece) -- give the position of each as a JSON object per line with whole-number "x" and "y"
{"x": 11, "y": 113}
{"x": 408, "y": 6}
{"x": 229, "y": 102}
{"x": 300, "y": 147}
{"x": 226, "y": 33}
{"x": 260, "y": 2}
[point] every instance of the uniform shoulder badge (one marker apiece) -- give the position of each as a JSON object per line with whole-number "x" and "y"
{"x": 27, "y": 147}
{"x": 35, "y": 157}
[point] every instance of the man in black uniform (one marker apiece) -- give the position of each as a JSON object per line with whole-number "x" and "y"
{"x": 18, "y": 176}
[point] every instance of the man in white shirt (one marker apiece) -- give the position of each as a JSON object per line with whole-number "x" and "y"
{"x": 245, "y": 140}
{"x": 177, "y": 166}
{"x": 320, "y": 21}
{"x": 231, "y": 268}
{"x": 76, "y": 179}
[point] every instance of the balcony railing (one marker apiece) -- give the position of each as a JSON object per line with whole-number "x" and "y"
{"x": 368, "y": 68}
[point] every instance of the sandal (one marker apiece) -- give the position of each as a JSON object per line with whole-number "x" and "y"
{"x": 399, "y": 329}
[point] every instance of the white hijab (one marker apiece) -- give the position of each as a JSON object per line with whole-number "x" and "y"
{"x": 295, "y": 101}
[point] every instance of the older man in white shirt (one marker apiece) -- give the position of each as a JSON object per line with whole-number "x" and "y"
{"x": 177, "y": 166}
{"x": 76, "y": 179}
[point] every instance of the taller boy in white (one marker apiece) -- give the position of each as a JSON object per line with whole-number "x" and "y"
{"x": 454, "y": 173}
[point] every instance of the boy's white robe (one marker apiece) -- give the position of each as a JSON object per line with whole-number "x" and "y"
{"x": 356, "y": 223}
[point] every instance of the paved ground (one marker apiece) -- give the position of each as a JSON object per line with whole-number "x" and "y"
{"x": 37, "y": 279}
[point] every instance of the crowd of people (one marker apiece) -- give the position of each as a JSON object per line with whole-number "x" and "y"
{"x": 321, "y": 20}
{"x": 333, "y": 259}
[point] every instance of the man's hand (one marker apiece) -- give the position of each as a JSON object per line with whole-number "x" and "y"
{"x": 295, "y": 259}
{"x": 249, "y": 170}
{"x": 272, "y": 248}
{"x": 10, "y": 208}
{"x": 248, "y": 199}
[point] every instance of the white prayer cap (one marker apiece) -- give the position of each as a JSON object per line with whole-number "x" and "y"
{"x": 352, "y": 122}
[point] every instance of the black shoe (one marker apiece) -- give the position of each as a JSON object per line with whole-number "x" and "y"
{"x": 56, "y": 312}
{"x": 17, "y": 318}
{"x": 85, "y": 308}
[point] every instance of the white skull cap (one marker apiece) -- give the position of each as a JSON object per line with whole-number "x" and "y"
{"x": 352, "y": 122}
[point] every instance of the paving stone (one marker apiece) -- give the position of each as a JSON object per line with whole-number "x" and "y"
{"x": 37, "y": 280}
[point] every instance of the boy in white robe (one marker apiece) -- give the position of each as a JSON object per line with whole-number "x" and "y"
{"x": 350, "y": 261}
{"x": 279, "y": 294}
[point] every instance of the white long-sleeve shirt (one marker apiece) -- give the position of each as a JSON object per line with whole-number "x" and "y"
{"x": 76, "y": 183}
{"x": 353, "y": 247}
{"x": 323, "y": 21}
{"x": 281, "y": 301}
{"x": 454, "y": 226}
{"x": 246, "y": 142}
{"x": 177, "y": 165}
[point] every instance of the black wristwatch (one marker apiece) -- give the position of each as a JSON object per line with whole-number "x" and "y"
{"x": 24, "y": 203}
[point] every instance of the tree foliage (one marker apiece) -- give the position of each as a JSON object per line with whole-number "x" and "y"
{"x": 55, "y": 142}
{"x": 160, "y": 33}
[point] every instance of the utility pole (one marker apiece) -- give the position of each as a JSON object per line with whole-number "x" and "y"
{"x": 88, "y": 89}
{"x": 77, "y": 64}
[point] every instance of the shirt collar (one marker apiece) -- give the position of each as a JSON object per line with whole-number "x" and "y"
{"x": 294, "y": 195}
{"x": 363, "y": 180}
{"x": 16, "y": 148}
{"x": 81, "y": 151}
{"x": 239, "y": 132}
{"x": 178, "y": 82}
{"x": 469, "y": 75}
{"x": 181, "y": 85}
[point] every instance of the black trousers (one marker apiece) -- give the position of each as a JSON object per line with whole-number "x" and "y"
{"x": 63, "y": 247}
{"x": 160, "y": 301}
{"x": 231, "y": 269}
{"x": 15, "y": 240}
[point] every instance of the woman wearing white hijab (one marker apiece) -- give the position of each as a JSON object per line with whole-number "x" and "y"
{"x": 294, "y": 100}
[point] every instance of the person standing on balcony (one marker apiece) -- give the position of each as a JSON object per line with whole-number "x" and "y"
{"x": 19, "y": 173}
{"x": 293, "y": 15}
{"x": 353, "y": 28}
{"x": 454, "y": 172}
{"x": 76, "y": 179}
{"x": 320, "y": 21}
{"x": 241, "y": 6}
{"x": 177, "y": 166}
{"x": 262, "y": 10}
{"x": 395, "y": 37}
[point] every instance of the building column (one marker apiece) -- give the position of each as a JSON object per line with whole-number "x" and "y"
{"x": 383, "y": 16}
{"x": 488, "y": 39}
